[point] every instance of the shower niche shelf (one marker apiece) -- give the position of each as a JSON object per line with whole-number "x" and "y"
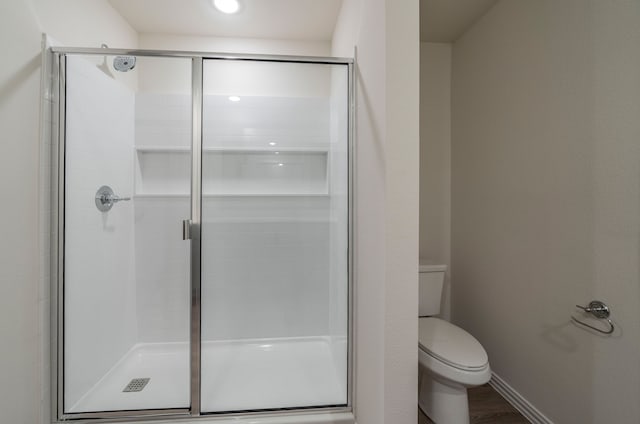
{"x": 164, "y": 171}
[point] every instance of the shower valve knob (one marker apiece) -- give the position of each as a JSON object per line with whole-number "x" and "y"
{"x": 105, "y": 199}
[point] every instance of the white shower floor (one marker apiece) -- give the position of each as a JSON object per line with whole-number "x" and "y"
{"x": 236, "y": 375}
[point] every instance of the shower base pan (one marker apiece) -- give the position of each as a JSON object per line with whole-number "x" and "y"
{"x": 236, "y": 376}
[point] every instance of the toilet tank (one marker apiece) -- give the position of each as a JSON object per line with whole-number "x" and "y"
{"x": 431, "y": 281}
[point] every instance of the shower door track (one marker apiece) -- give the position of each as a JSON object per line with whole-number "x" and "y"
{"x": 204, "y": 55}
{"x": 55, "y": 60}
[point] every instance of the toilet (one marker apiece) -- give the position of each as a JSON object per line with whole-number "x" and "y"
{"x": 450, "y": 359}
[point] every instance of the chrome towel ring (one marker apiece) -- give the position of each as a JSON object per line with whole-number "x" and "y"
{"x": 599, "y": 310}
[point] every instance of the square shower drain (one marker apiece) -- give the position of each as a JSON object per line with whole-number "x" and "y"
{"x": 136, "y": 385}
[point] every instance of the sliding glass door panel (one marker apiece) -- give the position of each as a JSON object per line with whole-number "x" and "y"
{"x": 274, "y": 235}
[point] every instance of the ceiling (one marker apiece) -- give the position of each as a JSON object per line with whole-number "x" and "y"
{"x": 440, "y": 20}
{"x": 279, "y": 19}
{"x": 443, "y": 21}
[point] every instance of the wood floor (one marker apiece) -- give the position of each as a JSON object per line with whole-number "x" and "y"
{"x": 486, "y": 406}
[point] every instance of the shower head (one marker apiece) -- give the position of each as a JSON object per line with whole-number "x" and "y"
{"x": 124, "y": 63}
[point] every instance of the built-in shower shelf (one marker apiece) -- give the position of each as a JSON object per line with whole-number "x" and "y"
{"x": 206, "y": 195}
{"x": 285, "y": 171}
{"x": 309, "y": 148}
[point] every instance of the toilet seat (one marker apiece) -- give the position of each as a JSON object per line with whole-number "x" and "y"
{"x": 451, "y": 345}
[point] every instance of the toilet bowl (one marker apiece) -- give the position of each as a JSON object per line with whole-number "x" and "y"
{"x": 450, "y": 359}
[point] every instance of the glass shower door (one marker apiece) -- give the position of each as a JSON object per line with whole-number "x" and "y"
{"x": 246, "y": 307}
{"x": 126, "y": 173}
{"x": 274, "y": 235}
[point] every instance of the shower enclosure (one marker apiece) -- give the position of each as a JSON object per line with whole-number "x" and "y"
{"x": 201, "y": 239}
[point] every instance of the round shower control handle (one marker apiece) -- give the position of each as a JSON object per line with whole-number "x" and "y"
{"x": 105, "y": 199}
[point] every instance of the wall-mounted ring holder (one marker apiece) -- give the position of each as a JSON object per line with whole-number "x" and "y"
{"x": 599, "y": 310}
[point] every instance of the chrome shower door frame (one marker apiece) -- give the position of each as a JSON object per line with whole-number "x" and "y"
{"x": 57, "y": 57}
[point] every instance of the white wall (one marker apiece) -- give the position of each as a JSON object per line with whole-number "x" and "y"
{"x": 20, "y": 293}
{"x": 402, "y": 146}
{"x": 237, "y": 78}
{"x": 100, "y": 291}
{"x": 386, "y": 204}
{"x": 24, "y": 368}
{"x": 234, "y": 45}
{"x": 435, "y": 158}
{"x": 545, "y": 200}
{"x": 74, "y": 23}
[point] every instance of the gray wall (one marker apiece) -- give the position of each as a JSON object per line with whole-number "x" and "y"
{"x": 435, "y": 157}
{"x": 546, "y": 199}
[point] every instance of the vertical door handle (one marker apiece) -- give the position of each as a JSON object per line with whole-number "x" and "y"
{"x": 186, "y": 229}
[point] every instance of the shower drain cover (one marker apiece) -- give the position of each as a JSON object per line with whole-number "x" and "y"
{"x": 136, "y": 385}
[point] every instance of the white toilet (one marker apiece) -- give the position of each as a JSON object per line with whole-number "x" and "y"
{"x": 451, "y": 360}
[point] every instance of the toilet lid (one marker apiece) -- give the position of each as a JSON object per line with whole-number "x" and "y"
{"x": 451, "y": 344}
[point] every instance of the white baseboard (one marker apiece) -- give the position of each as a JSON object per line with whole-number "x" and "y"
{"x": 523, "y": 406}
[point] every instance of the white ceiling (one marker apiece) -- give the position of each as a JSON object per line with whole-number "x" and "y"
{"x": 444, "y": 21}
{"x": 279, "y": 19}
{"x": 440, "y": 20}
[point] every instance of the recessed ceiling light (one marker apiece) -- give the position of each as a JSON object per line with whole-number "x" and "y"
{"x": 272, "y": 143}
{"x": 281, "y": 164}
{"x": 227, "y": 6}
{"x": 234, "y": 98}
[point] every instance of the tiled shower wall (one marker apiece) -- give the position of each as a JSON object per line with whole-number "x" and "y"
{"x": 339, "y": 218}
{"x": 266, "y": 258}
